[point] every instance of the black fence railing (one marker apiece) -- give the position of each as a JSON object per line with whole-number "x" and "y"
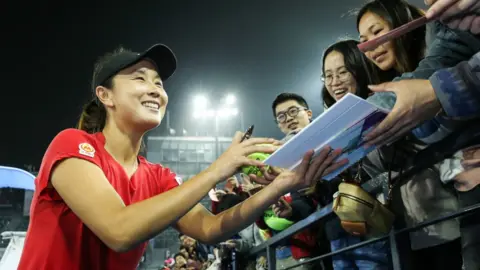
{"x": 431, "y": 155}
{"x": 462, "y": 212}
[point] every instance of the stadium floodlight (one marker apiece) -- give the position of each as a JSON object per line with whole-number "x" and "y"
{"x": 230, "y": 99}
{"x": 200, "y": 102}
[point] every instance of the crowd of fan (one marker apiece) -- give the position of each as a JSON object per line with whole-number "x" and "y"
{"x": 191, "y": 255}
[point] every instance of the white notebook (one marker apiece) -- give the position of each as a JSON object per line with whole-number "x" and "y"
{"x": 341, "y": 126}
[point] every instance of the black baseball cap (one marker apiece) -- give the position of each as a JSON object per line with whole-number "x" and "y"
{"x": 160, "y": 55}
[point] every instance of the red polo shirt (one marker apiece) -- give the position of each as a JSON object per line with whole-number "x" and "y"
{"x": 56, "y": 237}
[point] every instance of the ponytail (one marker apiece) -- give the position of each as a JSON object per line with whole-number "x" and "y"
{"x": 92, "y": 120}
{"x": 93, "y": 117}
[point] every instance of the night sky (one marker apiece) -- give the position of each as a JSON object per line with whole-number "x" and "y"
{"x": 253, "y": 49}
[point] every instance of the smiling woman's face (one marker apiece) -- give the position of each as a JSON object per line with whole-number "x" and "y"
{"x": 137, "y": 96}
{"x": 371, "y": 26}
{"x": 338, "y": 80}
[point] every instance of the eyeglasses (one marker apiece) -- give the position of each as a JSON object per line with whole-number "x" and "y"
{"x": 292, "y": 112}
{"x": 342, "y": 76}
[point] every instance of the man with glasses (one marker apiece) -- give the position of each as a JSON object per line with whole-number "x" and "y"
{"x": 291, "y": 113}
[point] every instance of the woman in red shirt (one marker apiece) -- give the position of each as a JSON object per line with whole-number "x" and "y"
{"x": 97, "y": 202}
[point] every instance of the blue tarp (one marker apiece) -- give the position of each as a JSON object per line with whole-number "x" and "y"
{"x": 16, "y": 178}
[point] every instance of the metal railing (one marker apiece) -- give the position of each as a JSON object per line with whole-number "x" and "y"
{"x": 422, "y": 160}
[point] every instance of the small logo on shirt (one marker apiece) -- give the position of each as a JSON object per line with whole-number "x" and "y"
{"x": 179, "y": 180}
{"x": 86, "y": 149}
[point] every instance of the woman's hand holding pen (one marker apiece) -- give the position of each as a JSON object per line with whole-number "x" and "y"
{"x": 236, "y": 155}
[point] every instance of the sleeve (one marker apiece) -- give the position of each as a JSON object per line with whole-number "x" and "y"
{"x": 447, "y": 49}
{"x": 70, "y": 143}
{"x": 169, "y": 179}
{"x": 243, "y": 245}
{"x": 458, "y": 89}
{"x": 302, "y": 207}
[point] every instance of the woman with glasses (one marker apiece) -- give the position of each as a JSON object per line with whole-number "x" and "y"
{"x": 345, "y": 70}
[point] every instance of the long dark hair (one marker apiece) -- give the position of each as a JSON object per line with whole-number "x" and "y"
{"x": 409, "y": 48}
{"x": 93, "y": 117}
{"x": 358, "y": 65}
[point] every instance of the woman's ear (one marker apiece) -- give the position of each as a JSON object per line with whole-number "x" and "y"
{"x": 104, "y": 95}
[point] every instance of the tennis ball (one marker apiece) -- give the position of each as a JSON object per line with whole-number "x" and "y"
{"x": 254, "y": 169}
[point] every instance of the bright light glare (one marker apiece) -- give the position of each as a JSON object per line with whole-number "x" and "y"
{"x": 210, "y": 113}
{"x": 197, "y": 114}
{"x": 230, "y": 99}
{"x": 222, "y": 113}
{"x": 227, "y": 112}
{"x": 200, "y": 102}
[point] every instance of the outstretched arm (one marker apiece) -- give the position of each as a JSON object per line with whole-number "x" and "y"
{"x": 86, "y": 190}
{"x": 455, "y": 90}
{"x": 83, "y": 186}
{"x": 202, "y": 225}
